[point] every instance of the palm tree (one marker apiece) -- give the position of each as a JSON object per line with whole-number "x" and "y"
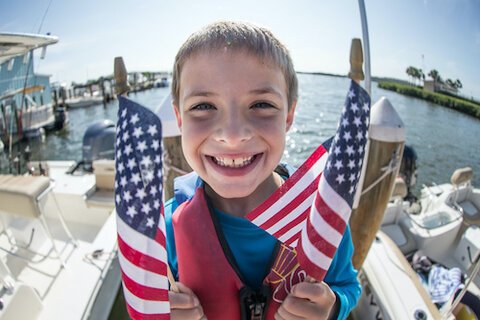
{"x": 409, "y": 72}
{"x": 458, "y": 84}
{"x": 435, "y": 76}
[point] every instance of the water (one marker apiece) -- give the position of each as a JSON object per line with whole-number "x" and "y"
{"x": 443, "y": 139}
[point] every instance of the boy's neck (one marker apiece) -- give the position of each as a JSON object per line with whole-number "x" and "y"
{"x": 240, "y": 207}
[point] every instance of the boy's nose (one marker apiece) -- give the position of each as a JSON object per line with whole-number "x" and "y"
{"x": 233, "y": 129}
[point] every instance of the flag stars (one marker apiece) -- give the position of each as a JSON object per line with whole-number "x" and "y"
{"x": 365, "y": 107}
{"x": 146, "y": 161}
{"x": 120, "y": 167}
{"x": 136, "y": 178}
{"x": 131, "y": 163}
{"x": 137, "y": 132}
{"x": 352, "y": 177}
{"x": 357, "y": 121}
{"x": 351, "y": 190}
{"x": 131, "y": 211}
{"x": 134, "y": 119}
{"x": 150, "y": 222}
{"x": 128, "y": 149}
{"x": 350, "y": 151}
{"x": 338, "y": 164}
{"x": 152, "y": 130}
{"x": 337, "y": 150}
{"x": 351, "y": 94}
{"x": 153, "y": 191}
{"x": 351, "y": 164}
{"x": 340, "y": 178}
{"x": 155, "y": 145}
{"x": 347, "y": 136}
{"x": 355, "y": 108}
{"x": 344, "y": 122}
{"x": 142, "y": 146}
{"x": 359, "y": 136}
{"x": 146, "y": 208}
{"x": 127, "y": 196}
{"x": 117, "y": 199}
{"x": 123, "y": 181}
{"x": 141, "y": 194}
{"x": 125, "y": 136}
{"x": 156, "y": 204}
{"x": 157, "y": 159}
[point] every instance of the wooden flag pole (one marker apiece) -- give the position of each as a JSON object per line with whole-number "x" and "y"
{"x": 382, "y": 160}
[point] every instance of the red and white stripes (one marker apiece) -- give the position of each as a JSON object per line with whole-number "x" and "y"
{"x": 144, "y": 267}
{"x": 323, "y": 231}
{"x": 284, "y": 213}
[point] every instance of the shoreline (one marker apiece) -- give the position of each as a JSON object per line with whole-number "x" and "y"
{"x": 465, "y": 106}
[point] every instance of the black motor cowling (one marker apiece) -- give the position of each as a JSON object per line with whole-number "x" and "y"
{"x": 98, "y": 142}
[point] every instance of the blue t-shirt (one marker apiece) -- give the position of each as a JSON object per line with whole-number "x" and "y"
{"x": 252, "y": 249}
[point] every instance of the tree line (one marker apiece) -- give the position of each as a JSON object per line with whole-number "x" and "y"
{"x": 417, "y": 76}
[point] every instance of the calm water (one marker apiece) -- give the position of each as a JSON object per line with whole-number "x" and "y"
{"x": 443, "y": 139}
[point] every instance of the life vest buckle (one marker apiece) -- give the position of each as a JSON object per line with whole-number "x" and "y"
{"x": 254, "y": 303}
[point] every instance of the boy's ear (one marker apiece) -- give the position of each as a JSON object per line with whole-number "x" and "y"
{"x": 178, "y": 116}
{"x": 291, "y": 115}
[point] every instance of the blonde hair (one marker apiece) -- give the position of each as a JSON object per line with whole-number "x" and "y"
{"x": 239, "y": 36}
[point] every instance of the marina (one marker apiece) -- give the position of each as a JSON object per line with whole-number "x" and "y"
{"x": 417, "y": 215}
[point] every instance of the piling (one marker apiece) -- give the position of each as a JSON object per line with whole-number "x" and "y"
{"x": 386, "y": 143}
{"x": 174, "y": 162}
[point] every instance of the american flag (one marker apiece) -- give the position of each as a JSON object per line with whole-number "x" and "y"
{"x": 311, "y": 209}
{"x": 285, "y": 211}
{"x": 140, "y": 220}
{"x": 333, "y": 201}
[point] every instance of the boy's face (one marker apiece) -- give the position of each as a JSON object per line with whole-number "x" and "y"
{"x": 233, "y": 115}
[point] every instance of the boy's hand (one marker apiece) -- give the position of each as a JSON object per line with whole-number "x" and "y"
{"x": 185, "y": 304}
{"x": 307, "y": 300}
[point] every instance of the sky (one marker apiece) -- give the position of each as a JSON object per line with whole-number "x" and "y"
{"x": 427, "y": 34}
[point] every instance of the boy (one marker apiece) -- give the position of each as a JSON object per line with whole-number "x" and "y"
{"x": 234, "y": 92}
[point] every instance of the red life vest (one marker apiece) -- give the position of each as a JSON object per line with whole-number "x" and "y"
{"x": 204, "y": 267}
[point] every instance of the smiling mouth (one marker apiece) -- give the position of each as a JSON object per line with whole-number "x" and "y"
{"x": 233, "y": 162}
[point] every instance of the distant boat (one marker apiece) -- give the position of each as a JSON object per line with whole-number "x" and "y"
{"x": 83, "y": 101}
{"x": 25, "y": 97}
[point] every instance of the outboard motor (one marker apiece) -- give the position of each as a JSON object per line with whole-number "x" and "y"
{"x": 408, "y": 168}
{"x": 98, "y": 143}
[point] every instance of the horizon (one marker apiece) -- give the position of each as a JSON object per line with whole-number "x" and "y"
{"x": 442, "y": 35}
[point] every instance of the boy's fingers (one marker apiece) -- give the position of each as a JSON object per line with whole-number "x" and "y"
{"x": 283, "y": 313}
{"x": 182, "y": 300}
{"x": 185, "y": 299}
{"x": 196, "y": 314}
{"x": 184, "y": 289}
{"x": 300, "y": 307}
{"x": 317, "y": 292}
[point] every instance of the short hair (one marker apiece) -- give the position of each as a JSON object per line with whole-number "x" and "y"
{"x": 240, "y": 36}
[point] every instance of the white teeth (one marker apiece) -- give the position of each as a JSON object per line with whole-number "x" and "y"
{"x": 233, "y": 162}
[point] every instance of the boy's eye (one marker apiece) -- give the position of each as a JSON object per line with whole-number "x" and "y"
{"x": 262, "y": 105}
{"x": 202, "y": 106}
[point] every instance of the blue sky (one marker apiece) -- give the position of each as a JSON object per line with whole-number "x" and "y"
{"x": 147, "y": 33}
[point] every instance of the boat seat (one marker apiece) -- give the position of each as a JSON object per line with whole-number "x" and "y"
{"x": 104, "y": 171}
{"x": 399, "y": 188}
{"x": 461, "y": 176}
{"x": 103, "y": 194}
{"x": 25, "y": 197}
{"x": 19, "y": 194}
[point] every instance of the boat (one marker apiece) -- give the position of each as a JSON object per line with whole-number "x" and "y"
{"x": 442, "y": 227}
{"x": 84, "y": 101}
{"x": 58, "y": 255}
{"x": 25, "y": 97}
